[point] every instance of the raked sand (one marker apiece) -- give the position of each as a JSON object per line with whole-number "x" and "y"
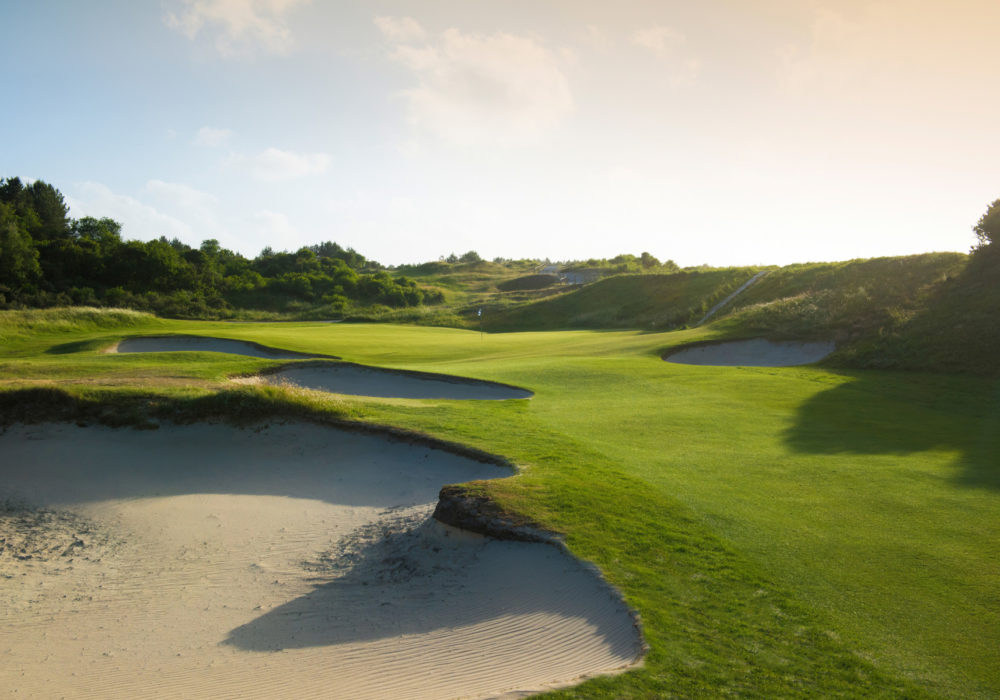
{"x": 293, "y": 561}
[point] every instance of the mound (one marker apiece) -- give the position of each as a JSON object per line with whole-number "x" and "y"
{"x": 753, "y": 353}
{"x": 347, "y": 378}
{"x": 291, "y": 561}
{"x": 528, "y": 282}
{"x": 182, "y": 343}
{"x": 626, "y": 301}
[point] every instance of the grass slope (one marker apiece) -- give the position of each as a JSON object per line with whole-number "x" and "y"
{"x": 791, "y": 532}
{"x": 932, "y": 312}
{"x": 627, "y": 301}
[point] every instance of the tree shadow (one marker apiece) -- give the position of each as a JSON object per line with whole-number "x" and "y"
{"x": 900, "y": 413}
{"x": 426, "y": 577}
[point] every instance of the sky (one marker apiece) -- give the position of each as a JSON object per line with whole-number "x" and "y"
{"x": 720, "y": 132}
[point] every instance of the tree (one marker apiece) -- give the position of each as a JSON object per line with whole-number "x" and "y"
{"x": 18, "y": 257}
{"x": 105, "y": 231}
{"x": 53, "y": 214}
{"x": 987, "y": 229}
{"x": 648, "y": 260}
{"x": 211, "y": 247}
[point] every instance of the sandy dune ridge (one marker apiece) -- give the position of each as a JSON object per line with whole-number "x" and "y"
{"x": 291, "y": 561}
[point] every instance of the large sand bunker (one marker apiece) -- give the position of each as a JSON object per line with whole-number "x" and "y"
{"x": 188, "y": 343}
{"x": 293, "y": 561}
{"x": 753, "y": 353}
{"x": 347, "y": 378}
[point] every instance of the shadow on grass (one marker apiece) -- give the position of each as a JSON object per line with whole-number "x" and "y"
{"x": 903, "y": 413}
{"x": 79, "y": 346}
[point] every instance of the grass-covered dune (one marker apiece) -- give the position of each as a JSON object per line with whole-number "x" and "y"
{"x": 936, "y": 312}
{"x": 653, "y": 301}
{"x": 783, "y": 532}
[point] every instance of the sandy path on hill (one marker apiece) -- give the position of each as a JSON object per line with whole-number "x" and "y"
{"x": 757, "y": 352}
{"x": 347, "y": 378}
{"x": 296, "y": 561}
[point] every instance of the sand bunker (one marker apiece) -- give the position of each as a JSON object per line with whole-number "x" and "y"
{"x": 294, "y": 561}
{"x": 753, "y": 353}
{"x": 347, "y": 378}
{"x": 181, "y": 343}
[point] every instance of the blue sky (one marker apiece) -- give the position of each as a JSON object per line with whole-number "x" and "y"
{"x": 770, "y": 131}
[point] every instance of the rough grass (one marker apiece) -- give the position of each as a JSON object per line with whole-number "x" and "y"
{"x": 783, "y": 532}
{"x": 937, "y": 312}
{"x": 847, "y": 301}
{"x": 18, "y": 324}
{"x": 956, "y": 329}
{"x": 628, "y": 301}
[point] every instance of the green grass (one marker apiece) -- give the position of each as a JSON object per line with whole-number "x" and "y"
{"x": 848, "y": 301}
{"x": 649, "y": 302}
{"x": 796, "y": 532}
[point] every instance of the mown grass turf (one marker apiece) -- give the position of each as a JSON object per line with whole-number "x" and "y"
{"x": 783, "y": 532}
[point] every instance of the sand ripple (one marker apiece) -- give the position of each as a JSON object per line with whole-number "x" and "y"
{"x": 296, "y": 561}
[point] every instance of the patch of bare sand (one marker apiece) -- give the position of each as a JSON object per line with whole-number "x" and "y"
{"x": 348, "y": 378}
{"x": 295, "y": 561}
{"x": 757, "y": 352}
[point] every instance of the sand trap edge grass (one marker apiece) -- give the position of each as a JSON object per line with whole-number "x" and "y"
{"x": 751, "y": 352}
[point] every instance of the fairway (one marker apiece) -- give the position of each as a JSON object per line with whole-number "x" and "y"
{"x": 781, "y": 531}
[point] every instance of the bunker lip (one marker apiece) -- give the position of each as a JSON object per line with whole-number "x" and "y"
{"x": 202, "y": 343}
{"x": 195, "y": 533}
{"x": 385, "y": 382}
{"x": 752, "y": 352}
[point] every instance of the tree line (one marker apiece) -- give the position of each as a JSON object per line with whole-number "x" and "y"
{"x": 50, "y": 259}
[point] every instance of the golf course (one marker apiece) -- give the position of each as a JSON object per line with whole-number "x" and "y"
{"x": 797, "y": 531}
{"x": 451, "y": 350}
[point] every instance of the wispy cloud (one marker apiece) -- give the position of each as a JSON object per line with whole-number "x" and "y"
{"x": 274, "y": 229}
{"x": 199, "y": 210}
{"x": 660, "y": 39}
{"x": 139, "y": 220}
{"x": 670, "y": 46}
{"x": 595, "y": 38}
{"x": 273, "y": 164}
{"x": 212, "y": 137}
{"x": 479, "y": 89}
{"x": 401, "y": 29}
{"x": 240, "y": 27}
{"x": 186, "y": 198}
